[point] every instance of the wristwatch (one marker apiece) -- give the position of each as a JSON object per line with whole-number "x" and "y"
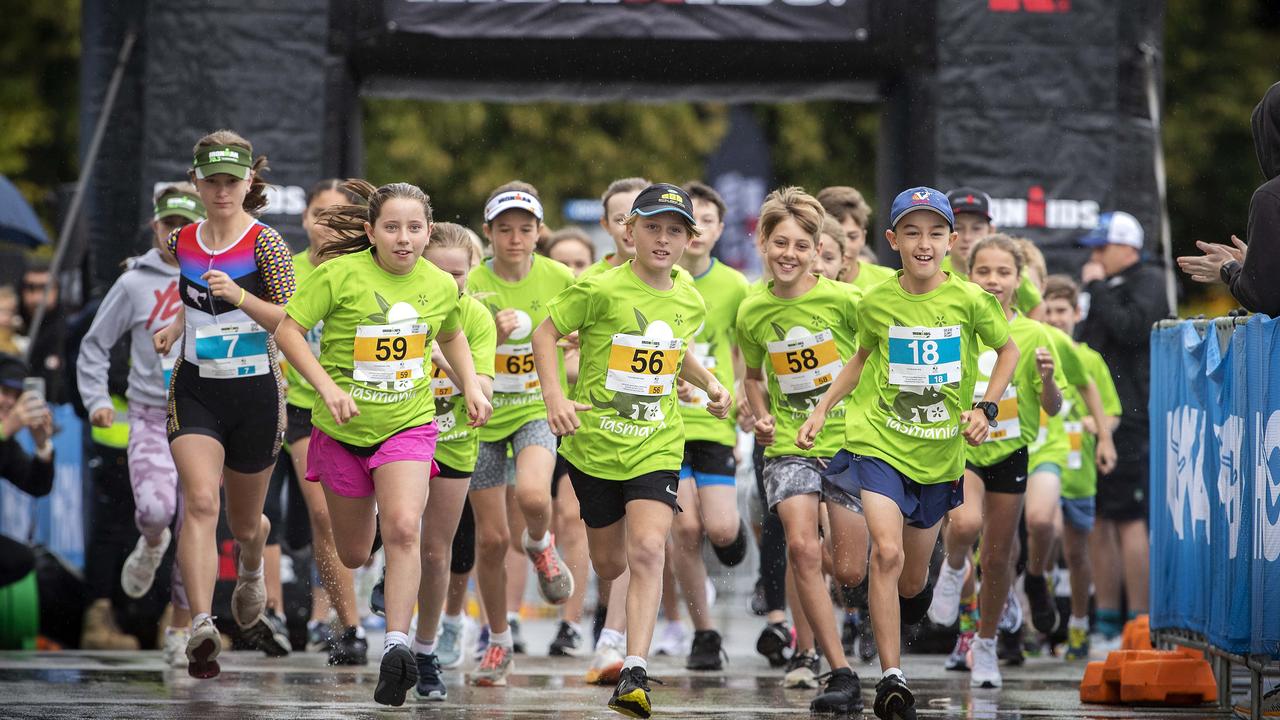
{"x": 990, "y": 409}
{"x": 1228, "y": 269}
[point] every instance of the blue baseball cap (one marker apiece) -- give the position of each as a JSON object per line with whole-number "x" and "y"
{"x": 921, "y": 198}
{"x": 1115, "y": 228}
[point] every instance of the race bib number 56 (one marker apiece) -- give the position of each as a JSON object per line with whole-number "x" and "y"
{"x": 643, "y": 366}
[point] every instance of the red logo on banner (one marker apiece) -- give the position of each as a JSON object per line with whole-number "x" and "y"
{"x": 1031, "y": 6}
{"x": 1035, "y": 206}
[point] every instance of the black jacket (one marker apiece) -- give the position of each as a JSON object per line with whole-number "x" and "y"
{"x": 33, "y": 477}
{"x": 1122, "y": 309}
{"x": 1256, "y": 285}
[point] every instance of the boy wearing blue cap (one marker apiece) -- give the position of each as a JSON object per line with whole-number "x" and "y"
{"x": 912, "y": 380}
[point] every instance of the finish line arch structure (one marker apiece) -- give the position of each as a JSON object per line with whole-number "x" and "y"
{"x": 1041, "y": 102}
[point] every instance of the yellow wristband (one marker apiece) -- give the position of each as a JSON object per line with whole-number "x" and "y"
{"x": 242, "y": 297}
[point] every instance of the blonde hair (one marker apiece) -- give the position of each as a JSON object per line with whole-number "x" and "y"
{"x": 453, "y": 235}
{"x": 255, "y": 201}
{"x": 831, "y": 228}
{"x": 1034, "y": 258}
{"x": 794, "y": 203}
{"x": 842, "y": 201}
{"x": 1000, "y": 241}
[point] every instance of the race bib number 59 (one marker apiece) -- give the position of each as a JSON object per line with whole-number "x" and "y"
{"x": 387, "y": 353}
{"x": 643, "y": 366}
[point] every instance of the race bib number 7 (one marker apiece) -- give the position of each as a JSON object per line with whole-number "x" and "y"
{"x": 388, "y": 353}
{"x": 924, "y": 356}
{"x": 805, "y": 364}
{"x": 643, "y": 366}
{"x": 232, "y": 350}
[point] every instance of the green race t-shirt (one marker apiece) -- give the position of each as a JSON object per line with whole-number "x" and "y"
{"x": 1052, "y": 444}
{"x": 378, "y": 329}
{"x": 299, "y": 392}
{"x": 801, "y": 344}
{"x": 633, "y": 341}
{"x": 459, "y": 443}
{"x": 1019, "y": 420}
{"x": 870, "y": 275}
{"x": 722, "y": 289}
{"x": 1080, "y": 474}
{"x": 920, "y": 374}
{"x": 517, "y": 395}
{"x": 1026, "y": 299}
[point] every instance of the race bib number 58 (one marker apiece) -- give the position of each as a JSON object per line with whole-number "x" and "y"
{"x": 805, "y": 364}
{"x": 643, "y": 366}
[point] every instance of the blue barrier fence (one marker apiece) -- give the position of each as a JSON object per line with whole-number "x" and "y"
{"x": 1215, "y": 483}
{"x": 58, "y": 518}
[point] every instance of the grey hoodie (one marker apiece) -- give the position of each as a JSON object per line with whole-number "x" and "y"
{"x": 143, "y": 301}
{"x": 1254, "y": 283}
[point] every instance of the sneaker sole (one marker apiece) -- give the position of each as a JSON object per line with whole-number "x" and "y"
{"x": 896, "y": 707}
{"x": 489, "y": 682}
{"x": 132, "y": 591}
{"x": 637, "y": 705}
{"x": 772, "y": 649}
{"x": 434, "y": 696}
{"x": 564, "y": 571}
{"x": 266, "y": 640}
{"x": 392, "y": 690}
{"x": 986, "y": 684}
{"x": 203, "y": 663}
{"x": 850, "y": 708}
{"x": 804, "y": 684}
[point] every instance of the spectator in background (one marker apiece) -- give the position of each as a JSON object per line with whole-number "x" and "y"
{"x": 1252, "y": 276}
{"x": 11, "y": 343}
{"x": 46, "y": 350}
{"x": 1127, "y": 297}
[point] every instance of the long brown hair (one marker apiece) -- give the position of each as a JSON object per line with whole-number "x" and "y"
{"x": 347, "y": 221}
{"x": 255, "y": 201}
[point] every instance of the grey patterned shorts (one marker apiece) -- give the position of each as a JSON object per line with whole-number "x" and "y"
{"x": 493, "y": 468}
{"x": 792, "y": 475}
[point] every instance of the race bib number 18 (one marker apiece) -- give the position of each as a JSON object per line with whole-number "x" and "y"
{"x": 805, "y": 364}
{"x": 924, "y": 356}
{"x": 387, "y": 353}
{"x": 643, "y": 366}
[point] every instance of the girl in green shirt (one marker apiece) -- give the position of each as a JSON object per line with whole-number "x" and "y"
{"x": 374, "y": 433}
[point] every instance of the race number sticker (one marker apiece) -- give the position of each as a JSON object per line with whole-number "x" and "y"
{"x": 805, "y": 364}
{"x": 1008, "y": 427}
{"x": 1075, "y": 444}
{"x": 232, "y": 350}
{"x": 643, "y": 366}
{"x": 513, "y": 369}
{"x": 390, "y": 353}
{"x": 441, "y": 386}
{"x": 702, "y": 351}
{"x": 924, "y": 356}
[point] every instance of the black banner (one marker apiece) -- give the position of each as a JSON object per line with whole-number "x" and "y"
{"x": 763, "y": 20}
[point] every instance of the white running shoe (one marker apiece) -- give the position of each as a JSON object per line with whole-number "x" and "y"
{"x": 1011, "y": 615}
{"x": 673, "y": 640}
{"x": 607, "y": 663}
{"x": 984, "y": 666}
{"x": 139, "y": 570}
{"x": 945, "y": 607}
{"x": 175, "y": 646}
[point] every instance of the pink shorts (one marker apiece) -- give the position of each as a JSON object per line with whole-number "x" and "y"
{"x": 350, "y": 475}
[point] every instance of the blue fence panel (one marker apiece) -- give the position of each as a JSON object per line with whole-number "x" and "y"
{"x": 58, "y": 517}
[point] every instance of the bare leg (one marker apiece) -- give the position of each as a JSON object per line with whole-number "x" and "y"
{"x": 647, "y": 524}
{"x": 492, "y": 541}
{"x": 402, "y": 490}
{"x": 804, "y": 558}
{"x": 1137, "y": 563}
{"x": 338, "y": 582}
{"x": 439, "y": 523}
{"x": 571, "y": 538}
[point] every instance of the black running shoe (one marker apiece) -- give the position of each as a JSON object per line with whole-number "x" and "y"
{"x": 913, "y": 609}
{"x": 350, "y": 648}
{"x": 841, "y": 696}
{"x": 396, "y": 675}
{"x": 377, "y": 600}
{"x": 597, "y": 623}
{"x": 430, "y": 681}
{"x": 1044, "y": 612}
{"x": 517, "y": 638}
{"x": 849, "y": 634}
{"x": 774, "y": 643}
{"x": 706, "y": 652}
{"x": 631, "y": 696}
{"x": 268, "y": 634}
{"x": 568, "y": 643}
{"x": 867, "y": 641}
{"x": 894, "y": 700}
{"x": 735, "y": 552}
{"x": 1009, "y": 647}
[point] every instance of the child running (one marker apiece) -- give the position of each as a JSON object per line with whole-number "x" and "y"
{"x": 226, "y": 394}
{"x": 374, "y": 433}
{"x": 846, "y": 206}
{"x": 972, "y": 210}
{"x": 451, "y": 249}
{"x": 616, "y": 204}
{"x": 635, "y": 323}
{"x": 912, "y": 379}
{"x": 795, "y": 336}
{"x": 141, "y": 302}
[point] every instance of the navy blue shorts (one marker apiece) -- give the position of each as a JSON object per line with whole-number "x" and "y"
{"x": 923, "y": 506}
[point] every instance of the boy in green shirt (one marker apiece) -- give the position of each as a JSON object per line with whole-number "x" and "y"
{"x": 615, "y": 208}
{"x": 972, "y": 209}
{"x": 624, "y": 452}
{"x": 909, "y": 418}
{"x": 847, "y": 207}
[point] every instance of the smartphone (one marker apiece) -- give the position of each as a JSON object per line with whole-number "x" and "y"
{"x": 34, "y": 385}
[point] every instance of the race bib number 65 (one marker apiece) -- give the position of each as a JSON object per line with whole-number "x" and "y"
{"x": 643, "y": 366}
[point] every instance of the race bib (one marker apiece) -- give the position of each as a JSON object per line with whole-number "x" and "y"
{"x": 513, "y": 369}
{"x": 1075, "y": 444}
{"x": 1007, "y": 426}
{"x": 232, "y": 350}
{"x": 702, "y": 351}
{"x": 805, "y": 364}
{"x": 441, "y": 385}
{"x": 924, "y": 356}
{"x": 643, "y": 366}
{"x": 389, "y": 353}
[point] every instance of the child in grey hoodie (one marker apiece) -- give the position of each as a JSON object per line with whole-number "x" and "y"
{"x": 143, "y": 300}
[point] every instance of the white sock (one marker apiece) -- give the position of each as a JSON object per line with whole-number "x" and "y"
{"x": 1078, "y": 623}
{"x": 611, "y": 637}
{"x": 452, "y": 620}
{"x": 394, "y": 638}
{"x": 250, "y": 574}
{"x": 635, "y": 661}
{"x": 539, "y": 545}
{"x": 946, "y": 567}
{"x": 503, "y": 638}
{"x": 895, "y": 671}
{"x": 425, "y": 648}
{"x": 200, "y": 618}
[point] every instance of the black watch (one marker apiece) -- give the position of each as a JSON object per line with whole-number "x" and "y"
{"x": 1227, "y": 270}
{"x": 990, "y": 409}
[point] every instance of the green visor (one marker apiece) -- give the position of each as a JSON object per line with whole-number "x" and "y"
{"x": 223, "y": 159}
{"x": 185, "y": 205}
